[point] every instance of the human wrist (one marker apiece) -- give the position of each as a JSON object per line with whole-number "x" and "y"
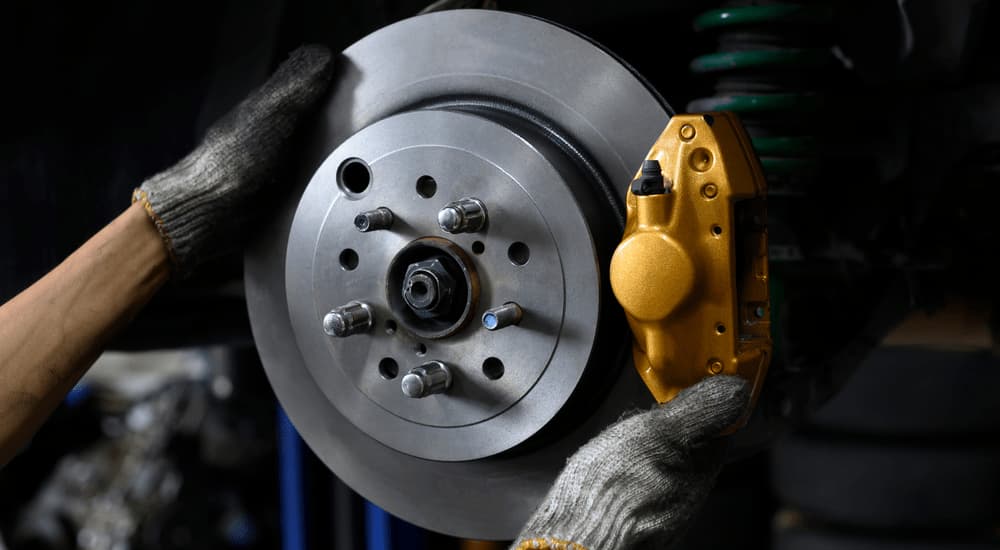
{"x": 152, "y": 245}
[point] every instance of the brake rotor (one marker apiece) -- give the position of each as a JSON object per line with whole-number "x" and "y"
{"x": 528, "y": 134}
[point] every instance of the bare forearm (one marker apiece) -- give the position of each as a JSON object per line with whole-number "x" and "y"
{"x": 52, "y": 332}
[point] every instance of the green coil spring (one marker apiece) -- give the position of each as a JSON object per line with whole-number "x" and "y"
{"x": 773, "y": 67}
{"x": 778, "y": 67}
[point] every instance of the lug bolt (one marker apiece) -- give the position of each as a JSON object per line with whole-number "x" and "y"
{"x": 502, "y": 316}
{"x": 427, "y": 379}
{"x": 348, "y": 319}
{"x": 374, "y": 220}
{"x": 467, "y": 215}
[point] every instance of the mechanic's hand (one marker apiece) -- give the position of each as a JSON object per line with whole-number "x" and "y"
{"x": 639, "y": 483}
{"x": 203, "y": 204}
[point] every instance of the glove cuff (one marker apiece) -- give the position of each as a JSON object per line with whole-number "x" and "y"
{"x": 546, "y": 543}
{"x": 140, "y": 196}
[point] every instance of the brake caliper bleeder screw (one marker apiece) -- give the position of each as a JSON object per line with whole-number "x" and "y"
{"x": 466, "y": 215}
{"x": 502, "y": 316}
{"x": 350, "y": 318}
{"x": 374, "y": 220}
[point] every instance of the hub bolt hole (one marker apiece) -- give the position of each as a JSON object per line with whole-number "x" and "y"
{"x": 349, "y": 259}
{"x": 426, "y": 186}
{"x": 519, "y": 253}
{"x": 388, "y": 368}
{"x": 493, "y": 368}
{"x": 355, "y": 176}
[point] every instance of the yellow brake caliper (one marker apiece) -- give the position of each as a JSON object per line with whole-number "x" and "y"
{"x": 691, "y": 270}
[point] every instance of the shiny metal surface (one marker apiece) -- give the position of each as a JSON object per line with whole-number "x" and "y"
{"x": 467, "y": 215}
{"x": 441, "y": 300}
{"x": 605, "y": 113}
{"x": 427, "y": 379}
{"x": 506, "y": 315}
{"x": 374, "y": 220}
{"x": 475, "y": 420}
{"x": 348, "y": 319}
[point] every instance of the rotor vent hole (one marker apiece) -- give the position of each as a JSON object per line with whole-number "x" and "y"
{"x": 354, "y": 176}
{"x": 426, "y": 186}
{"x": 390, "y": 327}
{"x": 420, "y": 349}
{"x": 717, "y": 230}
{"x": 519, "y": 253}
{"x": 493, "y": 368}
{"x": 349, "y": 259}
{"x": 720, "y": 328}
{"x": 388, "y": 368}
{"x": 478, "y": 247}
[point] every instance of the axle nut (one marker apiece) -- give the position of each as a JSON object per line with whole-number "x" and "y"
{"x": 428, "y": 288}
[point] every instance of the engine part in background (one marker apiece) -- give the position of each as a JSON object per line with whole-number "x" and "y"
{"x": 177, "y": 464}
{"x": 691, "y": 270}
{"x": 99, "y": 500}
{"x": 477, "y": 111}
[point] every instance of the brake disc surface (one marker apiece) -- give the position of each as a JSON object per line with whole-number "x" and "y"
{"x": 544, "y": 129}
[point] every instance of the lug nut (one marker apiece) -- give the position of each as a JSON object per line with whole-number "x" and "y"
{"x": 374, "y": 220}
{"x": 502, "y": 316}
{"x": 427, "y": 379}
{"x": 348, "y": 319}
{"x": 467, "y": 215}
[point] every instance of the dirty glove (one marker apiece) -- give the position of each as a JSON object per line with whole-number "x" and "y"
{"x": 202, "y": 205}
{"x": 639, "y": 483}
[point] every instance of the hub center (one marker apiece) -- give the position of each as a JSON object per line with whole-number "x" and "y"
{"x": 432, "y": 287}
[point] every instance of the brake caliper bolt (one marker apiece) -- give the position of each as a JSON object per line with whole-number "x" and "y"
{"x": 427, "y": 379}
{"x": 467, "y": 215}
{"x": 348, "y": 319}
{"x": 715, "y": 366}
{"x": 374, "y": 220}
{"x": 502, "y": 316}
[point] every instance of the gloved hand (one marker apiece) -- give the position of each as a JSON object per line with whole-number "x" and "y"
{"x": 639, "y": 483}
{"x": 203, "y": 204}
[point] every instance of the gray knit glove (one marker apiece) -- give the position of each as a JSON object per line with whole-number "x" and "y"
{"x": 639, "y": 483}
{"x": 203, "y": 204}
